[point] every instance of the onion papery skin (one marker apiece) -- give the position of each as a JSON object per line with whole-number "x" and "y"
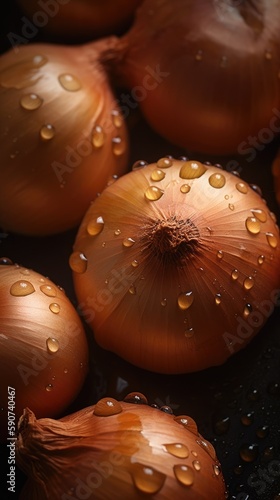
{"x": 43, "y": 346}
{"x": 205, "y": 73}
{"x": 126, "y": 451}
{"x": 62, "y": 136}
{"x": 276, "y": 175}
{"x": 175, "y": 275}
{"x": 76, "y": 19}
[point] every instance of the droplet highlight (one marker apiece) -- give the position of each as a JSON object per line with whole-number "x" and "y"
{"x": 164, "y": 163}
{"x": 185, "y": 188}
{"x": 248, "y": 283}
{"x": 128, "y": 242}
{"x": 242, "y": 187}
{"x": 147, "y": 479}
{"x": 272, "y": 240}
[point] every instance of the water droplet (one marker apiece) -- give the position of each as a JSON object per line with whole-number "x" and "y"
{"x": 253, "y": 395}
{"x": 157, "y": 175}
{"x": 194, "y": 453}
{"x": 106, "y": 407}
{"x": 166, "y": 409}
{"x": 31, "y": 102}
{"x": 220, "y": 254}
{"x": 273, "y": 388}
{"x": 153, "y": 193}
{"x": 247, "y": 419}
{"x": 128, "y": 242}
{"x": 231, "y": 206}
{"x": 259, "y": 214}
{"x": 261, "y": 259}
{"x": 54, "y": 308}
{"x": 218, "y": 299}
{"x": 25, "y": 272}
{"x": 118, "y": 146}
{"x": 247, "y": 310}
{"x": 242, "y": 187}
{"x": 98, "y": 136}
{"x": 189, "y": 332}
{"x": 132, "y": 290}
{"x": 256, "y": 188}
{"x": 48, "y": 290}
{"x": 177, "y": 449}
{"x": 117, "y": 232}
{"x": 78, "y": 262}
{"x": 52, "y": 344}
{"x": 248, "y": 283}
{"x": 95, "y": 226}
{"x": 185, "y": 188}
{"x": 139, "y": 164}
{"x": 196, "y": 464}
{"x": 5, "y": 261}
{"x": 185, "y": 300}
{"x": 234, "y": 274}
{"x": 163, "y": 302}
{"x": 47, "y": 132}
{"x": 135, "y": 263}
{"x": 217, "y": 180}
{"x": 184, "y": 474}
{"x": 217, "y": 469}
{"x": 192, "y": 170}
{"x": 198, "y": 55}
{"x": 272, "y": 240}
{"x": 69, "y": 82}
{"x": 164, "y": 163}
{"x": 22, "y": 288}
{"x": 147, "y": 479}
{"x": 262, "y": 431}
{"x": 253, "y": 225}
{"x": 249, "y": 452}
{"x": 221, "y": 425}
{"x": 117, "y": 118}
{"x": 187, "y": 422}
{"x": 136, "y": 398}
{"x": 49, "y": 387}
{"x": 208, "y": 447}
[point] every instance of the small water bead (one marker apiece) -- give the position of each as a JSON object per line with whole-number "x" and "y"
{"x": 248, "y": 283}
{"x": 253, "y": 225}
{"x": 106, "y": 407}
{"x": 194, "y": 453}
{"x": 189, "y": 333}
{"x": 234, "y": 274}
{"x": 26, "y": 272}
{"x": 177, "y": 450}
{"x": 218, "y": 299}
{"x": 259, "y": 214}
{"x": 217, "y": 181}
{"x": 247, "y": 419}
{"x": 184, "y": 474}
{"x": 221, "y": 425}
{"x": 242, "y": 187}
{"x": 128, "y": 242}
{"x": 94, "y": 227}
{"x": 185, "y": 300}
{"x": 136, "y": 398}
{"x": 52, "y": 345}
{"x": 164, "y": 162}
{"x": 272, "y": 240}
{"x": 135, "y": 263}
{"x": 217, "y": 469}
{"x": 247, "y": 310}
{"x": 185, "y": 188}
{"x": 132, "y": 290}
{"x": 49, "y": 387}
{"x": 187, "y": 422}
{"x": 69, "y": 82}
{"x": 163, "y": 302}
{"x": 118, "y": 146}
{"x": 78, "y": 262}
{"x": 54, "y": 308}
{"x": 98, "y": 137}
{"x": 192, "y": 170}
{"x": 65, "y": 370}
{"x": 220, "y": 254}
{"x": 157, "y": 175}
{"x": 47, "y": 132}
{"x": 147, "y": 479}
{"x": 31, "y": 102}
{"x": 196, "y": 464}
{"x": 166, "y": 409}
{"x": 22, "y": 288}
{"x": 117, "y": 118}
{"x": 153, "y": 193}
{"x": 261, "y": 259}
{"x": 139, "y": 164}
{"x": 249, "y": 452}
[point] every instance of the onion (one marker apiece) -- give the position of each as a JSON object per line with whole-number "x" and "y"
{"x": 176, "y": 265}
{"x": 205, "y": 74}
{"x": 117, "y": 450}
{"x": 77, "y": 19}
{"x": 276, "y": 175}
{"x": 43, "y": 347}
{"x": 62, "y": 136}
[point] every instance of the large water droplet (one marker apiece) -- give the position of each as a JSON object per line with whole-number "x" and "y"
{"x": 106, "y": 407}
{"x": 248, "y": 283}
{"x": 164, "y": 162}
{"x": 253, "y": 225}
{"x": 128, "y": 242}
{"x": 192, "y": 170}
{"x": 78, "y": 262}
{"x": 69, "y": 82}
{"x": 249, "y": 452}
{"x": 187, "y": 422}
{"x": 259, "y": 214}
{"x": 31, "y": 102}
{"x": 242, "y": 187}
{"x": 54, "y": 308}
{"x": 136, "y": 398}
{"x": 184, "y": 474}
{"x": 22, "y": 288}
{"x": 98, "y": 136}
{"x": 272, "y": 240}
{"x": 157, "y": 175}
{"x": 185, "y": 300}
{"x": 217, "y": 180}
{"x": 52, "y": 345}
{"x": 48, "y": 290}
{"x": 95, "y": 226}
{"x": 147, "y": 479}
{"x": 47, "y": 132}
{"x": 177, "y": 449}
{"x": 118, "y": 146}
{"x": 153, "y": 193}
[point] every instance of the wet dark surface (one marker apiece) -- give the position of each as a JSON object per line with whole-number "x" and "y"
{"x": 237, "y": 405}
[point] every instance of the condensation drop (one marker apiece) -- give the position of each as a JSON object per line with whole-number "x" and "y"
{"x": 164, "y": 163}
{"x": 47, "y": 132}
{"x": 259, "y": 214}
{"x": 220, "y": 254}
{"x": 54, "y": 308}
{"x": 272, "y": 240}
{"x": 157, "y": 175}
{"x": 94, "y": 227}
{"x": 184, "y": 474}
{"x": 52, "y": 345}
{"x": 5, "y": 261}
{"x": 139, "y": 164}
{"x": 25, "y": 272}
{"x": 217, "y": 180}
{"x": 31, "y": 102}
{"x": 185, "y": 188}
{"x": 49, "y": 387}
{"x": 247, "y": 310}
{"x": 98, "y": 136}
{"x": 253, "y": 225}
{"x": 249, "y": 452}
{"x": 242, "y": 187}
{"x": 185, "y": 300}
{"x": 189, "y": 332}
{"x": 22, "y": 288}
{"x": 187, "y": 422}
{"x": 69, "y": 82}
{"x": 192, "y": 170}
{"x": 118, "y": 146}
{"x": 177, "y": 450}
{"x": 78, "y": 262}
{"x": 106, "y": 407}
{"x": 248, "y": 283}
{"x": 218, "y": 299}
{"x": 117, "y": 118}
{"x": 136, "y": 398}
{"x": 128, "y": 242}
{"x": 234, "y": 274}
{"x": 147, "y": 479}
{"x": 132, "y": 290}
{"x": 163, "y": 302}
{"x": 196, "y": 464}
{"x": 135, "y": 263}
{"x": 153, "y": 193}
{"x": 117, "y": 232}
{"x": 247, "y": 419}
{"x": 48, "y": 290}
{"x": 261, "y": 259}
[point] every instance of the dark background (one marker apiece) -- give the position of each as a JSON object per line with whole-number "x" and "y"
{"x": 237, "y": 405}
